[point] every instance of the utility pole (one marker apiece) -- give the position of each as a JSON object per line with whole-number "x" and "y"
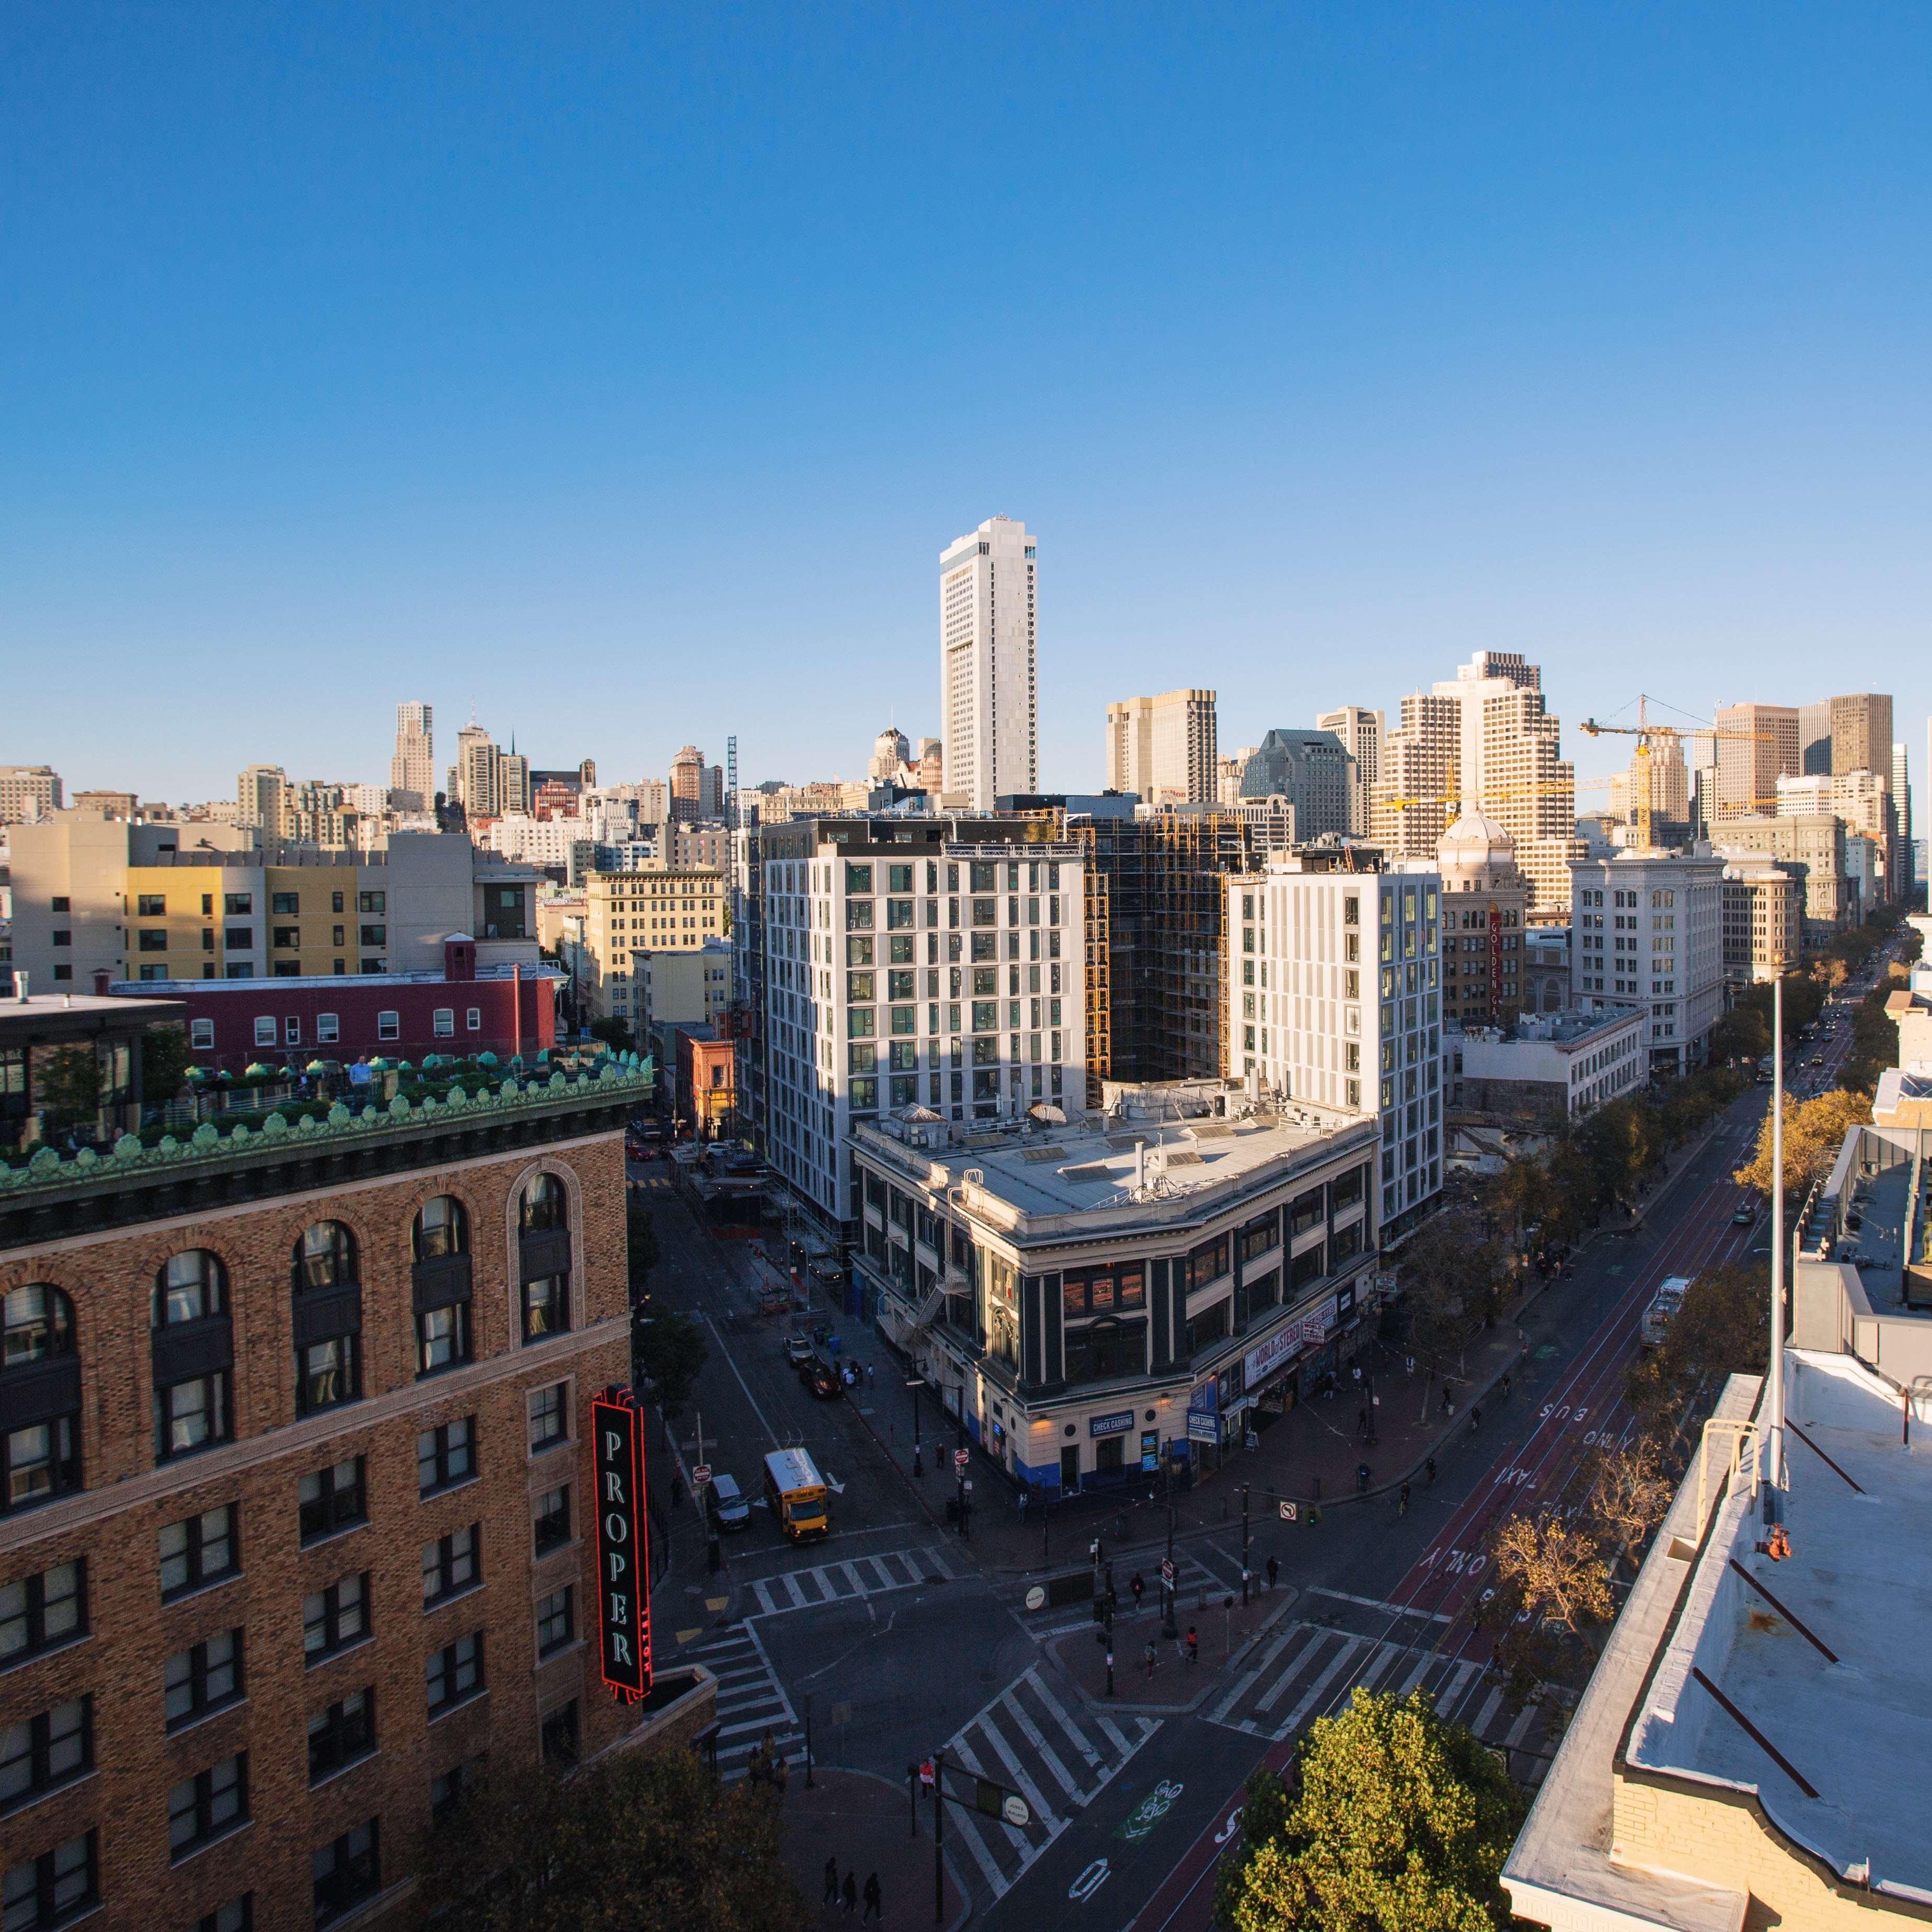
{"x": 1773, "y": 1511}
{"x": 938, "y": 1861}
{"x": 1244, "y": 1545}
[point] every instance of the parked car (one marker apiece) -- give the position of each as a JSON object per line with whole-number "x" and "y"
{"x": 797, "y": 1351}
{"x": 818, "y": 1377}
{"x": 728, "y": 1503}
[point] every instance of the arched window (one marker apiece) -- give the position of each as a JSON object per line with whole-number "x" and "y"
{"x": 194, "y": 1350}
{"x": 327, "y": 1318}
{"x": 439, "y": 1284}
{"x": 543, "y": 1246}
{"x": 39, "y": 1397}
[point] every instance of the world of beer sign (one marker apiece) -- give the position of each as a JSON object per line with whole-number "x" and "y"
{"x": 623, "y": 1551}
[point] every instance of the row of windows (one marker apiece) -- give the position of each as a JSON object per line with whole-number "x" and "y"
{"x": 329, "y": 1027}
{"x": 281, "y": 905}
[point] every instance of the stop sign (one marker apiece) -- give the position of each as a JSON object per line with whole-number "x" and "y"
{"x": 701, "y": 1475}
{"x": 960, "y": 1459}
{"x": 1167, "y": 1570}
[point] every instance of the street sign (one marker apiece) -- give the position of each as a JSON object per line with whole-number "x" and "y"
{"x": 960, "y": 1459}
{"x": 1167, "y": 1570}
{"x": 1014, "y": 1809}
{"x": 701, "y": 1475}
{"x": 967, "y": 1485}
{"x": 1289, "y": 1511}
{"x": 1036, "y": 1597}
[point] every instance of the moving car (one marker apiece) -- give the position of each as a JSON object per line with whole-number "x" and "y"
{"x": 797, "y": 1351}
{"x": 1663, "y": 1306}
{"x": 1744, "y": 1216}
{"x": 796, "y": 1493}
{"x": 728, "y": 1503}
{"x": 819, "y": 1378}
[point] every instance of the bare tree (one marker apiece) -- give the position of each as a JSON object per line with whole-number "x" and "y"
{"x": 1630, "y": 1494}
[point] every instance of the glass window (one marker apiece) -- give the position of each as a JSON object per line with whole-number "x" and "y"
{"x": 341, "y": 1734}
{"x": 46, "y": 1750}
{"x": 325, "y": 1257}
{"x": 333, "y": 1499}
{"x": 455, "y": 1674}
{"x": 561, "y": 1749}
{"x": 42, "y": 1612}
{"x": 202, "y": 1807}
{"x": 550, "y": 1519}
{"x": 1105, "y": 1350}
{"x": 549, "y": 1417}
{"x": 345, "y": 1871}
{"x": 441, "y": 1228}
{"x": 543, "y": 1206}
{"x": 451, "y": 1563}
{"x": 546, "y": 1306}
{"x": 557, "y": 1623}
{"x": 442, "y": 1337}
{"x": 48, "y": 1890}
{"x": 202, "y": 1678}
{"x": 334, "y": 1618}
{"x": 1208, "y": 1263}
{"x": 446, "y": 1455}
{"x": 199, "y": 1550}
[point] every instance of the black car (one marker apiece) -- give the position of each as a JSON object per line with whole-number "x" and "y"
{"x": 818, "y": 1377}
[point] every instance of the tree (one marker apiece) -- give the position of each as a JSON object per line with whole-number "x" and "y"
{"x": 1814, "y": 1130}
{"x": 641, "y": 1236}
{"x": 1723, "y": 1328}
{"x": 1450, "y": 1271}
{"x": 1400, "y": 1823}
{"x": 1630, "y": 1494}
{"x": 670, "y": 1355}
{"x": 164, "y": 1064}
{"x": 1265, "y": 1805}
{"x": 70, "y": 1086}
{"x": 613, "y": 1033}
{"x": 1551, "y": 1596}
{"x": 638, "y": 1837}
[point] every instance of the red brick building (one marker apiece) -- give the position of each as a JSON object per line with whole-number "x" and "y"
{"x": 295, "y": 1492}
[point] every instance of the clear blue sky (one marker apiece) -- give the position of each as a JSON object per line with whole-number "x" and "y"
{"x": 623, "y": 370}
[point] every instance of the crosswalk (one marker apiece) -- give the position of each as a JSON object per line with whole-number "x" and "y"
{"x": 1030, "y": 1740}
{"x": 1193, "y": 1581}
{"x": 855, "y": 1576}
{"x": 750, "y": 1700}
{"x": 1304, "y": 1670}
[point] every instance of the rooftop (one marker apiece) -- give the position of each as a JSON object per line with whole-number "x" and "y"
{"x": 144, "y": 989}
{"x": 1805, "y": 1684}
{"x": 1570, "y": 1029}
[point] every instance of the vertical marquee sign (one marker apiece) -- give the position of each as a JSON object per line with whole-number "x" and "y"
{"x": 623, "y": 1546}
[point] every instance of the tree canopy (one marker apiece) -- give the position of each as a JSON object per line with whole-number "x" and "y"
{"x": 1723, "y": 1328}
{"x": 1814, "y": 1130}
{"x": 1400, "y": 1823}
{"x": 671, "y": 1353}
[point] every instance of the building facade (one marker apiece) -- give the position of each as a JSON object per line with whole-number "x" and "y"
{"x": 989, "y": 706}
{"x": 1314, "y": 771}
{"x": 1763, "y": 919}
{"x": 1415, "y": 794}
{"x": 1550, "y": 1068}
{"x": 292, "y": 1535}
{"x": 1757, "y": 745}
{"x": 1360, "y": 732}
{"x": 1814, "y": 845}
{"x": 1485, "y": 918}
{"x": 28, "y": 792}
{"x": 630, "y": 915}
{"x": 1163, "y": 749}
{"x": 413, "y": 768}
{"x": 1649, "y": 932}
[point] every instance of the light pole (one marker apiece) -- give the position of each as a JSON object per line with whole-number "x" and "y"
{"x": 916, "y": 1383}
{"x": 1244, "y": 1545}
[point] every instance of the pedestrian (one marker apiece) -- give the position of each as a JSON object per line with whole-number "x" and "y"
{"x": 1150, "y": 1660}
{"x": 831, "y": 1882}
{"x": 1138, "y": 1586}
{"x": 676, "y": 1489}
{"x": 781, "y": 1775}
{"x": 1506, "y": 1385}
{"x": 1193, "y": 1645}
{"x": 1023, "y": 1502}
{"x": 875, "y": 1904}
{"x": 1430, "y": 1466}
{"x": 1448, "y": 1407}
{"x": 1274, "y": 1571}
{"x": 754, "y": 1767}
{"x": 1403, "y": 1508}
{"x": 1361, "y": 1422}
{"x": 872, "y": 1382}
{"x": 851, "y": 1892}
{"x": 1475, "y": 1418}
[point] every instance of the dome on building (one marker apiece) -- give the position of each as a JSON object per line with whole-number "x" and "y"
{"x": 1474, "y": 841}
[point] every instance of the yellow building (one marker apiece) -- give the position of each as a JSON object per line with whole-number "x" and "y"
{"x": 629, "y": 915}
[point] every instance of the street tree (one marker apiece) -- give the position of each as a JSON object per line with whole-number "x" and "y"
{"x": 1814, "y": 1130}
{"x": 1630, "y": 1494}
{"x": 638, "y": 1837}
{"x": 671, "y": 1353}
{"x": 1722, "y": 1328}
{"x": 1450, "y": 1271}
{"x": 1545, "y": 1609}
{"x": 1400, "y": 1823}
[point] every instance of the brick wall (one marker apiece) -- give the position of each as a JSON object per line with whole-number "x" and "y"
{"x": 114, "y": 1524}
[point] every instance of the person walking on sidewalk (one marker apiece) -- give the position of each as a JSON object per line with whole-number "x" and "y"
{"x": 875, "y": 1906}
{"x": 1193, "y": 1645}
{"x": 1402, "y": 1508}
{"x": 1138, "y": 1586}
{"x": 1274, "y": 1571}
{"x": 831, "y": 1882}
{"x": 1150, "y": 1660}
{"x": 851, "y": 1893}
{"x": 1429, "y": 1469}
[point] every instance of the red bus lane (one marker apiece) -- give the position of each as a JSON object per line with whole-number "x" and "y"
{"x": 1585, "y": 1404}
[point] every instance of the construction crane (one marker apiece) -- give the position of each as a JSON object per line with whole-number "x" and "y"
{"x": 1644, "y": 732}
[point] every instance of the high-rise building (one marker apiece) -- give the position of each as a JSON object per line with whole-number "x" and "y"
{"x": 1904, "y": 870}
{"x": 1485, "y": 909}
{"x": 261, "y": 799}
{"x": 1415, "y": 794}
{"x": 413, "y": 769}
{"x": 1228, "y": 773}
{"x": 1663, "y": 771}
{"x": 1861, "y": 732}
{"x": 1162, "y": 749}
{"x": 1361, "y": 731}
{"x": 1314, "y": 771}
{"x": 989, "y": 707}
{"x": 1701, "y": 752}
{"x": 1814, "y": 739}
{"x": 1757, "y": 745}
{"x": 1649, "y": 930}
{"x": 687, "y": 784}
{"x": 28, "y": 792}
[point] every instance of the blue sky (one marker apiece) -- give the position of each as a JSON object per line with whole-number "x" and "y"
{"x": 622, "y": 371}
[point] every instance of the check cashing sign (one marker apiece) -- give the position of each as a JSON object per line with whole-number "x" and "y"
{"x": 623, "y": 1554}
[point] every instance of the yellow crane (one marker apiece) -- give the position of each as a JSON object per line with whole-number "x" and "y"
{"x": 1644, "y": 732}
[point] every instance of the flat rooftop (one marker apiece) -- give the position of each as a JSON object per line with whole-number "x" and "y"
{"x": 1708, "y": 1681}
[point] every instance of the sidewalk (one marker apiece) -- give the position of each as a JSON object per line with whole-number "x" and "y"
{"x": 1226, "y": 1631}
{"x": 864, "y": 1822}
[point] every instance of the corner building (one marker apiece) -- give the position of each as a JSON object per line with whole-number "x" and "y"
{"x": 294, "y": 1515}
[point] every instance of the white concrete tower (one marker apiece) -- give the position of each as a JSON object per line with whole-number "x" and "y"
{"x": 988, "y": 703}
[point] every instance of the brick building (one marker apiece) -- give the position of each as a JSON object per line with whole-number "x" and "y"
{"x": 294, "y": 1471}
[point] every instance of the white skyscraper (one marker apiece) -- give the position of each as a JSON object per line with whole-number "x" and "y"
{"x": 413, "y": 769}
{"x": 988, "y": 703}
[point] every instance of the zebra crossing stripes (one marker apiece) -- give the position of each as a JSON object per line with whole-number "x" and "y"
{"x": 849, "y": 1577}
{"x": 1026, "y": 1741}
{"x": 750, "y": 1700}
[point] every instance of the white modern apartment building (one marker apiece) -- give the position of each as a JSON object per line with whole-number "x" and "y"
{"x": 1361, "y": 730}
{"x": 1649, "y": 933}
{"x": 1337, "y": 1002}
{"x": 413, "y": 769}
{"x": 1162, "y": 749}
{"x": 989, "y": 713}
{"x": 932, "y": 964}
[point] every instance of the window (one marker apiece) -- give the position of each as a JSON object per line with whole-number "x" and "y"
{"x": 446, "y": 1455}
{"x": 550, "y": 1519}
{"x": 206, "y": 1677}
{"x": 446, "y": 1791}
{"x": 286, "y": 937}
{"x": 455, "y": 1674}
{"x": 543, "y": 1206}
{"x": 1101, "y": 1290}
{"x": 1208, "y": 1263}
{"x": 328, "y": 1029}
{"x": 42, "y": 1612}
{"x": 473, "y": 1019}
{"x": 40, "y": 1396}
{"x": 334, "y": 1618}
{"x": 341, "y": 1734}
{"x": 45, "y": 1891}
{"x": 193, "y": 1350}
{"x": 239, "y": 939}
{"x": 151, "y": 939}
{"x": 337, "y": 1498}
{"x": 451, "y": 1563}
{"x": 1209, "y": 1327}
{"x": 1259, "y": 1236}
{"x": 237, "y": 902}
{"x": 556, "y": 1622}
{"x": 443, "y": 1022}
{"x": 560, "y": 1746}
{"x": 546, "y": 1306}
{"x": 388, "y": 1025}
{"x": 202, "y": 1808}
{"x": 372, "y": 902}
{"x": 543, "y": 1220}
{"x": 345, "y": 1871}
{"x": 440, "y": 1250}
{"x": 199, "y": 1550}
{"x": 327, "y": 1318}
{"x": 237, "y": 1915}
{"x": 1106, "y": 1349}
{"x": 265, "y": 1029}
{"x": 285, "y": 905}
{"x": 549, "y": 1417}
{"x": 46, "y": 1751}
{"x": 201, "y": 1035}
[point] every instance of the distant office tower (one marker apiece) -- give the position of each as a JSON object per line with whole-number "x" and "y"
{"x": 1415, "y": 795}
{"x": 1163, "y": 749}
{"x": 27, "y": 793}
{"x": 1757, "y": 745}
{"x": 1904, "y": 870}
{"x": 261, "y": 799}
{"x": 687, "y": 784}
{"x": 1861, "y": 732}
{"x": 1361, "y": 732}
{"x": 1228, "y": 772}
{"x": 989, "y": 711}
{"x": 1669, "y": 780}
{"x": 1313, "y": 771}
{"x": 1814, "y": 739}
{"x": 413, "y": 769}
{"x": 891, "y": 752}
{"x": 479, "y": 780}
{"x": 513, "y": 783}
